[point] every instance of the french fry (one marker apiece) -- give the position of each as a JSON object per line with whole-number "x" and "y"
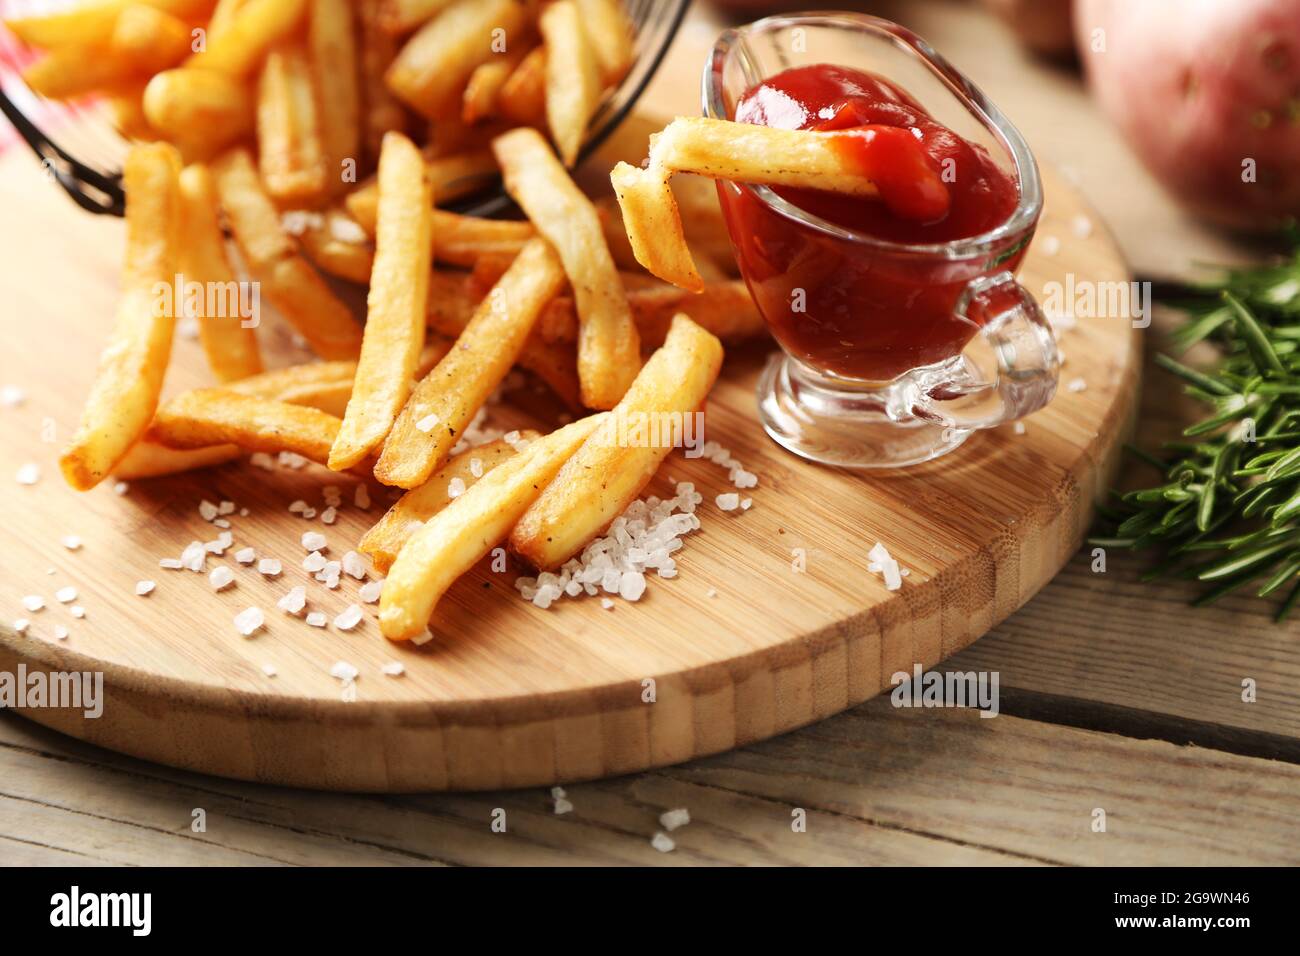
{"x": 230, "y": 347}
{"x": 523, "y": 96}
{"x": 291, "y": 154}
{"x": 383, "y": 541}
{"x": 572, "y": 77}
{"x": 479, "y": 101}
{"x": 451, "y": 306}
{"x": 332, "y": 49}
{"x": 609, "y": 350}
{"x": 445, "y": 401}
{"x": 127, "y": 384}
{"x": 760, "y": 155}
{"x": 339, "y": 246}
{"x": 381, "y": 111}
{"x": 90, "y": 23}
{"x": 610, "y": 35}
{"x": 150, "y": 38}
{"x": 223, "y": 15}
{"x": 217, "y": 416}
{"x": 291, "y": 285}
{"x": 402, "y": 16}
{"x": 199, "y": 110}
{"x": 607, "y": 473}
{"x": 252, "y": 30}
{"x": 70, "y": 72}
{"x": 463, "y": 240}
{"x": 395, "y": 306}
{"x": 452, "y": 176}
{"x": 126, "y": 104}
{"x": 724, "y": 308}
{"x": 431, "y": 70}
{"x": 148, "y": 459}
{"x": 455, "y": 538}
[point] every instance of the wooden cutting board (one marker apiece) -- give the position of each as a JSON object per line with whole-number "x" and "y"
{"x": 740, "y": 646}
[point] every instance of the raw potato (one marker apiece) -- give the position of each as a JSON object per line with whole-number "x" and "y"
{"x": 460, "y": 534}
{"x": 1206, "y": 93}
{"x": 607, "y": 473}
{"x": 129, "y": 378}
{"x": 383, "y": 542}
{"x": 395, "y": 306}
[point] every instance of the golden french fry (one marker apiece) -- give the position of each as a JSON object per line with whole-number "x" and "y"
{"x": 396, "y": 304}
{"x": 610, "y": 34}
{"x": 609, "y": 350}
{"x": 149, "y": 459}
{"x": 431, "y": 70}
{"x": 381, "y": 111}
{"x": 572, "y": 77}
{"x": 332, "y": 49}
{"x": 464, "y": 531}
{"x": 291, "y": 154}
{"x": 445, "y": 401}
{"x": 451, "y": 306}
{"x": 291, "y": 285}
{"x": 228, "y": 342}
{"x": 479, "y": 101}
{"x": 218, "y": 416}
{"x": 127, "y": 106}
{"x": 127, "y": 384}
{"x": 724, "y": 308}
{"x": 223, "y": 15}
{"x": 523, "y": 97}
{"x": 199, "y": 110}
{"x": 338, "y": 245}
{"x": 252, "y": 30}
{"x": 383, "y": 541}
{"x": 453, "y": 176}
{"x": 90, "y": 23}
{"x": 402, "y": 16}
{"x": 69, "y": 72}
{"x": 607, "y": 473}
{"x": 150, "y": 38}
{"x": 654, "y": 226}
{"x": 463, "y": 240}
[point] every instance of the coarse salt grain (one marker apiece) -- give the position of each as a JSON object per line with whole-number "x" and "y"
{"x": 288, "y": 459}
{"x": 476, "y": 467}
{"x": 65, "y": 595}
{"x": 71, "y": 542}
{"x": 1049, "y": 245}
{"x": 1018, "y": 428}
{"x": 344, "y": 671}
{"x": 269, "y": 670}
{"x": 249, "y": 621}
{"x": 11, "y": 396}
{"x": 21, "y": 625}
{"x": 663, "y": 843}
{"x": 29, "y": 474}
{"x": 294, "y": 601}
{"x": 245, "y": 555}
{"x": 607, "y": 604}
{"x": 672, "y": 819}
{"x": 171, "y": 564}
{"x": 314, "y": 562}
{"x": 562, "y": 806}
{"x": 33, "y": 602}
{"x": 1077, "y": 385}
{"x": 729, "y": 501}
{"x": 427, "y": 423}
{"x": 60, "y": 632}
{"x": 361, "y": 497}
{"x": 77, "y": 611}
{"x": 393, "y": 669}
{"x": 297, "y": 507}
{"x": 194, "y": 556}
{"x": 226, "y": 508}
{"x": 313, "y": 541}
{"x": 269, "y": 567}
{"x": 424, "y": 637}
{"x": 144, "y": 587}
{"x": 220, "y": 577}
{"x": 456, "y": 487}
{"x": 121, "y": 488}
{"x": 354, "y": 565}
{"x": 207, "y": 510}
{"x": 370, "y": 591}
{"x": 317, "y": 619}
{"x": 348, "y": 618}
{"x": 329, "y": 515}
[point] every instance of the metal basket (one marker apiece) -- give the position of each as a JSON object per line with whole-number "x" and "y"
{"x": 83, "y": 151}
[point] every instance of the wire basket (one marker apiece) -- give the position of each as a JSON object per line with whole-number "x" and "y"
{"x": 78, "y": 144}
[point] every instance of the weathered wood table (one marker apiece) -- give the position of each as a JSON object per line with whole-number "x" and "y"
{"x": 1115, "y": 695}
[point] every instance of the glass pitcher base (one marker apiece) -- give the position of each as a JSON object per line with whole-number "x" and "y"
{"x": 849, "y": 429}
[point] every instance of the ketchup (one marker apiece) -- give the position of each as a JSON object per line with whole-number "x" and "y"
{"x": 844, "y": 307}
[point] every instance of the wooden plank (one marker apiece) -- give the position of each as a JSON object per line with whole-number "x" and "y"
{"x": 879, "y": 785}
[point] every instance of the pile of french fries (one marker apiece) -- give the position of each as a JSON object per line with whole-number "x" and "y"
{"x": 453, "y": 302}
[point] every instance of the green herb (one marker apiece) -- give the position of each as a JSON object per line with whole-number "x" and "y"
{"x": 1226, "y": 509}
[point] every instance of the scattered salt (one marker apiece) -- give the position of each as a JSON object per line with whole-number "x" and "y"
{"x": 424, "y": 637}
{"x": 121, "y": 488}
{"x": 294, "y": 601}
{"x": 260, "y": 459}
{"x": 456, "y": 487}
{"x": 220, "y": 577}
{"x": 11, "y": 396}
{"x": 476, "y": 467}
{"x": 66, "y": 595}
{"x": 171, "y": 564}
{"x": 144, "y": 587}
{"x": 60, "y": 632}
{"x": 29, "y": 473}
{"x": 194, "y": 556}
{"x": 354, "y": 565}
{"x": 672, "y": 819}
{"x": 207, "y": 510}
{"x": 1077, "y": 385}
{"x": 21, "y": 625}
{"x": 371, "y": 591}
{"x": 245, "y": 555}
{"x": 270, "y": 567}
{"x": 33, "y": 602}
{"x": 297, "y": 507}
{"x": 249, "y": 621}
{"x": 269, "y": 670}
{"x": 77, "y": 611}
{"x": 427, "y": 423}
{"x": 317, "y": 619}
{"x": 329, "y": 515}
{"x": 344, "y": 671}
{"x": 361, "y": 497}
{"x": 663, "y": 843}
{"x": 349, "y": 618}
{"x": 393, "y": 669}
{"x": 313, "y": 541}
{"x": 288, "y": 459}
{"x": 729, "y": 501}
{"x": 71, "y": 542}
{"x": 314, "y": 562}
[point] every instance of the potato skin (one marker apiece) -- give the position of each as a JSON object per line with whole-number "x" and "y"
{"x": 1208, "y": 95}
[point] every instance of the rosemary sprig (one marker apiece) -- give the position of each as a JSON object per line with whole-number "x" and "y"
{"x": 1226, "y": 510}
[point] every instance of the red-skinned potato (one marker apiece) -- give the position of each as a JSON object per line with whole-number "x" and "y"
{"x": 1208, "y": 95}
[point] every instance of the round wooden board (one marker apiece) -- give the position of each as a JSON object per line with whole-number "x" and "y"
{"x": 740, "y": 646}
